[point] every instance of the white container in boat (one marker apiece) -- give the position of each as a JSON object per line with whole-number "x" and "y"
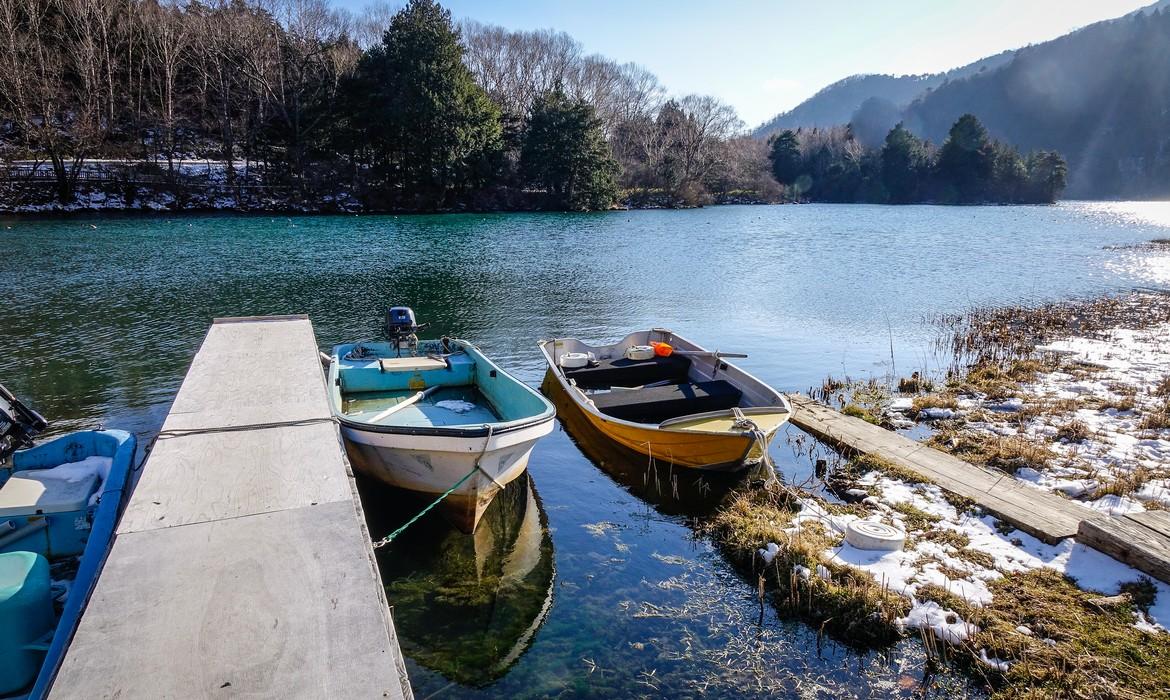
{"x": 573, "y": 360}
{"x": 639, "y": 352}
{"x": 866, "y": 534}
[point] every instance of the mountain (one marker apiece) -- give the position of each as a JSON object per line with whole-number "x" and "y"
{"x": 837, "y": 103}
{"x": 1100, "y": 96}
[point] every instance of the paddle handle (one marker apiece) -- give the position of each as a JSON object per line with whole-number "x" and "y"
{"x": 708, "y": 353}
{"x": 403, "y": 404}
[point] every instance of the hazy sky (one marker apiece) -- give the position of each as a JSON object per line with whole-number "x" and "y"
{"x": 765, "y": 57}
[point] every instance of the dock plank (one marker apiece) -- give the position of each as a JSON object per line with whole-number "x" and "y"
{"x": 1043, "y": 515}
{"x": 242, "y": 566}
{"x": 212, "y": 476}
{"x": 1156, "y": 520}
{"x": 1130, "y": 542}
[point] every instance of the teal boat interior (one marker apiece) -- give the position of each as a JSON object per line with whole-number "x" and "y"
{"x": 442, "y": 385}
{"x": 59, "y": 503}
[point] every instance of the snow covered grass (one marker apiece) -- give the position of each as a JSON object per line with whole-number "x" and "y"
{"x": 979, "y": 592}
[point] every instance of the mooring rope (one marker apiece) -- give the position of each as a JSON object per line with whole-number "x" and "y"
{"x": 389, "y": 538}
{"x": 184, "y": 432}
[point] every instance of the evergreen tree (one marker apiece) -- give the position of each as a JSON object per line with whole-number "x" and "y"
{"x": 565, "y": 153}
{"x": 431, "y": 128}
{"x": 903, "y": 165}
{"x": 785, "y": 157}
{"x": 1047, "y": 176}
{"x": 966, "y": 161}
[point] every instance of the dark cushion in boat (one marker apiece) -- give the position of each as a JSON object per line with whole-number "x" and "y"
{"x": 623, "y": 372}
{"x": 659, "y": 403}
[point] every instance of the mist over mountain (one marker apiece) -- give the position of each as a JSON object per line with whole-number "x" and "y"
{"x": 836, "y": 104}
{"x": 1100, "y": 96}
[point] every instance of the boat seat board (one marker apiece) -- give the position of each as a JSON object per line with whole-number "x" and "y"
{"x": 410, "y": 364}
{"x": 623, "y": 372}
{"x": 30, "y": 493}
{"x": 656, "y": 404}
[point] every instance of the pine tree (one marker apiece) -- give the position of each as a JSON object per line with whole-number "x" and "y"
{"x": 565, "y": 153}
{"x": 785, "y": 157}
{"x": 966, "y": 161}
{"x": 903, "y": 165}
{"x": 433, "y": 131}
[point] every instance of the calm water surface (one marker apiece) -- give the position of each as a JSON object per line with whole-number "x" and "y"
{"x": 589, "y": 582}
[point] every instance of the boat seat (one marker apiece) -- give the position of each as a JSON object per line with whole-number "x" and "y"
{"x": 623, "y": 372}
{"x": 659, "y": 403}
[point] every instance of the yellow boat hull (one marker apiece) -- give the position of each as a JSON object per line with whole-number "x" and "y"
{"x": 704, "y": 443}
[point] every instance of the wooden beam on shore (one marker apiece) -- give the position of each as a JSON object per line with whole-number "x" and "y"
{"x": 1042, "y": 514}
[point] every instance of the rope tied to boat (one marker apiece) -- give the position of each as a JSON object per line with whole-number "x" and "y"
{"x": 390, "y": 538}
{"x": 764, "y": 467}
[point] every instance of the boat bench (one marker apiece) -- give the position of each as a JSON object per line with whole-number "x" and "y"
{"x": 631, "y": 373}
{"x": 659, "y": 403}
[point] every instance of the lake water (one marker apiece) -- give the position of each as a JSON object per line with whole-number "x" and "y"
{"x": 591, "y": 581}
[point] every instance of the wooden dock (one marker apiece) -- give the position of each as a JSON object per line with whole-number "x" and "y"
{"x": 242, "y": 566}
{"x": 1142, "y": 541}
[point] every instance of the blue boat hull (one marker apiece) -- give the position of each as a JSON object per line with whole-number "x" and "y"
{"x": 102, "y": 518}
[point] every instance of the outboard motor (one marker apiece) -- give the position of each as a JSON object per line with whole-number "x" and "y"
{"x": 402, "y": 329}
{"x": 18, "y": 424}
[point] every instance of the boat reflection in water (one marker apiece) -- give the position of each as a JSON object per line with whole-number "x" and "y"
{"x": 672, "y": 490}
{"x": 466, "y": 606}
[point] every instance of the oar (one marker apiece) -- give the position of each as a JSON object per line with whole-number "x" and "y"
{"x": 404, "y": 403}
{"x": 707, "y": 353}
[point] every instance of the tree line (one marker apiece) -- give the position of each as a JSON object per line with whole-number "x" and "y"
{"x": 833, "y": 165}
{"x": 404, "y": 110}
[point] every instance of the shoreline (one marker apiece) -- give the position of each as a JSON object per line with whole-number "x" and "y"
{"x": 995, "y": 602}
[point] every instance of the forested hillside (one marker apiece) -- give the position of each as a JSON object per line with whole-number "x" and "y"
{"x": 837, "y": 104}
{"x": 1100, "y": 96}
{"x": 295, "y": 103}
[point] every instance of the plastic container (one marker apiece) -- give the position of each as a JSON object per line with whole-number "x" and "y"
{"x": 26, "y": 615}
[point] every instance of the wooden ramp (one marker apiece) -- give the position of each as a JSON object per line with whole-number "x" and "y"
{"x": 1041, "y": 514}
{"x": 242, "y": 566}
{"x": 1141, "y": 540}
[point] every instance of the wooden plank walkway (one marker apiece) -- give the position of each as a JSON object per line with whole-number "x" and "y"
{"x": 1141, "y": 540}
{"x": 242, "y": 566}
{"x": 1041, "y": 514}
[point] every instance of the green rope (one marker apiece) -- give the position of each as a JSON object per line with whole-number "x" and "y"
{"x": 388, "y": 538}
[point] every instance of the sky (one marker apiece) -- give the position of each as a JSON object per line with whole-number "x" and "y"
{"x": 766, "y": 57}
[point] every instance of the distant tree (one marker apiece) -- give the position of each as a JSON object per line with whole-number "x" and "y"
{"x": 966, "y": 161}
{"x": 903, "y": 165}
{"x": 1047, "y": 176}
{"x": 785, "y": 157}
{"x": 873, "y": 120}
{"x": 431, "y": 128}
{"x": 565, "y": 153}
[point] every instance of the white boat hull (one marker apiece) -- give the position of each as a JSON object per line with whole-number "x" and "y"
{"x": 430, "y": 464}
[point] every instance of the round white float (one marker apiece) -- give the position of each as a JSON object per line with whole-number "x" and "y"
{"x": 573, "y": 360}
{"x": 640, "y": 352}
{"x": 865, "y": 534}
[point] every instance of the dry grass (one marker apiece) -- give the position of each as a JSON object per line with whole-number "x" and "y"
{"x": 915, "y": 384}
{"x": 1126, "y": 482}
{"x": 1093, "y": 653}
{"x": 921, "y": 403}
{"x": 850, "y": 605}
{"x": 1073, "y": 431}
{"x": 1007, "y": 453}
{"x": 1163, "y": 387}
{"x": 1158, "y": 419}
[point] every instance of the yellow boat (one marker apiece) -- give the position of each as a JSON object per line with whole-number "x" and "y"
{"x": 678, "y": 404}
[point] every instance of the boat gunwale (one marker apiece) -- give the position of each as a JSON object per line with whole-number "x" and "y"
{"x": 468, "y": 430}
{"x": 578, "y": 397}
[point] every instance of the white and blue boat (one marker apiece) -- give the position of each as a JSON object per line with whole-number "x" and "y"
{"x": 434, "y": 416}
{"x": 59, "y": 504}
